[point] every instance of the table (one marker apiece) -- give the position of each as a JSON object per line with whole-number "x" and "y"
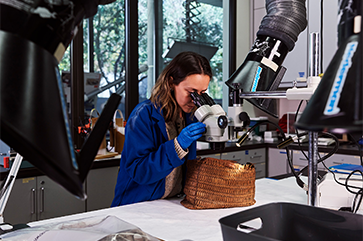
{"x": 169, "y": 220}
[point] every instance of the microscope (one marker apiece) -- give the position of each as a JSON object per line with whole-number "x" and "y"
{"x": 239, "y": 120}
{"x": 214, "y": 117}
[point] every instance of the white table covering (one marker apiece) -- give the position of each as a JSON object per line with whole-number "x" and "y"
{"x": 169, "y": 220}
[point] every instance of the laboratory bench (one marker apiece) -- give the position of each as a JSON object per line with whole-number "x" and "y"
{"x": 206, "y": 151}
{"x": 168, "y": 219}
{"x": 271, "y": 161}
{"x": 45, "y": 199}
{"x": 348, "y": 149}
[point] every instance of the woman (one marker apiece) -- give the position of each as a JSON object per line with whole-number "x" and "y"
{"x": 161, "y": 133}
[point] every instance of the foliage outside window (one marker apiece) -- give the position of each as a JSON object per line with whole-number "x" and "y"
{"x": 109, "y": 39}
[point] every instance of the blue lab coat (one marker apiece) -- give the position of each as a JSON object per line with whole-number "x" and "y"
{"x": 147, "y": 157}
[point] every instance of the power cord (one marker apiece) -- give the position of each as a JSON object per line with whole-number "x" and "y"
{"x": 246, "y": 134}
{"x": 358, "y": 194}
{"x": 332, "y": 152}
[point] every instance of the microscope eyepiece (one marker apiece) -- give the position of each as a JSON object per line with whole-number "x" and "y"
{"x": 208, "y": 99}
{"x": 202, "y": 99}
{"x": 197, "y": 99}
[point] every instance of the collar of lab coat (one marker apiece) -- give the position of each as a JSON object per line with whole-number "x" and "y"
{"x": 159, "y": 118}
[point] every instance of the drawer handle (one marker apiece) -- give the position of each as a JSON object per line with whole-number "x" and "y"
{"x": 41, "y": 199}
{"x": 32, "y": 201}
{"x": 255, "y": 156}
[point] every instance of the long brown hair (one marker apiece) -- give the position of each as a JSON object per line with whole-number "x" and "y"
{"x": 183, "y": 65}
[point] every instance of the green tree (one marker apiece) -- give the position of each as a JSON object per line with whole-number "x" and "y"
{"x": 209, "y": 31}
{"x": 109, "y": 38}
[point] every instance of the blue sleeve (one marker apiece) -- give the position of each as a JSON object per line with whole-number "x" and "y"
{"x": 147, "y": 155}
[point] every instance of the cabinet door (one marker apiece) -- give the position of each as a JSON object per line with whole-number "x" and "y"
{"x": 217, "y": 156}
{"x": 55, "y": 201}
{"x": 256, "y": 155}
{"x": 260, "y": 170}
{"x": 338, "y": 159}
{"x": 21, "y": 205}
{"x": 300, "y": 161}
{"x": 237, "y": 156}
{"x": 277, "y": 162}
{"x": 258, "y": 158}
{"x": 100, "y": 187}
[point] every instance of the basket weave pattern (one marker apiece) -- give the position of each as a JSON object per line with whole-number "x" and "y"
{"x": 214, "y": 183}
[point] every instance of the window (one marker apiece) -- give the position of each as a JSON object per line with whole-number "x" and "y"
{"x": 187, "y": 23}
{"x": 181, "y": 21}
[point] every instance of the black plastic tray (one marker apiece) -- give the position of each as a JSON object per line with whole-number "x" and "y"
{"x": 288, "y": 221}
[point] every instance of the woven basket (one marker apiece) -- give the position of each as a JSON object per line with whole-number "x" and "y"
{"x": 214, "y": 183}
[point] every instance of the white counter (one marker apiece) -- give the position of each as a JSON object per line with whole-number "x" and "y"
{"x": 169, "y": 220}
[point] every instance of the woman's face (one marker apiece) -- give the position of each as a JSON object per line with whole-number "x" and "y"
{"x": 192, "y": 83}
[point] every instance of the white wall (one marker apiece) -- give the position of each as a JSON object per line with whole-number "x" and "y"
{"x": 243, "y": 40}
{"x": 246, "y": 19}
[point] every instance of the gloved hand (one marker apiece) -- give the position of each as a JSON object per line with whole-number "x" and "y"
{"x": 190, "y": 133}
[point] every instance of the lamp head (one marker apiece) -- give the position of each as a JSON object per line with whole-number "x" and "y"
{"x": 336, "y": 105}
{"x": 33, "y": 118}
{"x": 262, "y": 69}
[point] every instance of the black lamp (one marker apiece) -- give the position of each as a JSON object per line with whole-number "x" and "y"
{"x": 177, "y": 47}
{"x": 337, "y": 104}
{"x": 262, "y": 69}
{"x": 33, "y": 118}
